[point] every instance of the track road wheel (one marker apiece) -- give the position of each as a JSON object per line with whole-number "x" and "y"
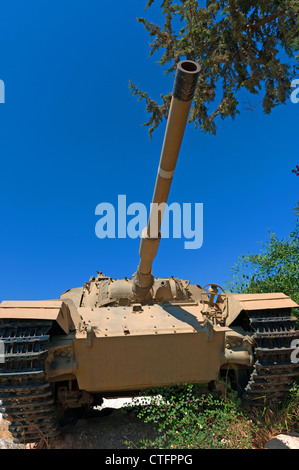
{"x": 26, "y": 396}
{"x": 274, "y": 370}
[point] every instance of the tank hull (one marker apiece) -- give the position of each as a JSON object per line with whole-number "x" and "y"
{"x": 138, "y": 362}
{"x": 119, "y": 349}
{"x": 59, "y": 355}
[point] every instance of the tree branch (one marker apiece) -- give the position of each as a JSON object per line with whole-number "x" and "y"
{"x": 268, "y": 19}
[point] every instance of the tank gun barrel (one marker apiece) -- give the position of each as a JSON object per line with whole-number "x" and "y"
{"x": 183, "y": 91}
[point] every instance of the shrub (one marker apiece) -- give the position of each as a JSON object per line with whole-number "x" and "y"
{"x": 186, "y": 418}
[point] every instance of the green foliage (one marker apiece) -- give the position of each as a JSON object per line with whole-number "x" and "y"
{"x": 239, "y": 44}
{"x": 274, "y": 269}
{"x": 281, "y": 420}
{"x": 186, "y": 419}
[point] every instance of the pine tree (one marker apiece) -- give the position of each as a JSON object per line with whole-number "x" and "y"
{"x": 240, "y": 44}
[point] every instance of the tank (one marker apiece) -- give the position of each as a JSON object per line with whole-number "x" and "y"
{"x": 117, "y": 337}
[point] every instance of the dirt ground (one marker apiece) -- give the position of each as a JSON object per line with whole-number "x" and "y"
{"x": 109, "y": 429}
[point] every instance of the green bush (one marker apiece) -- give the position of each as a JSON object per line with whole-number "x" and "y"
{"x": 187, "y": 419}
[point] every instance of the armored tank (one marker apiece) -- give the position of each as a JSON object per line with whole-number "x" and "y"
{"x": 119, "y": 337}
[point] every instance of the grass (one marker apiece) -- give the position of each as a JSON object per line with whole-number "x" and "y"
{"x": 185, "y": 417}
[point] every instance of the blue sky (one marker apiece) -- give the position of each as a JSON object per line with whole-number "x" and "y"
{"x": 72, "y": 137}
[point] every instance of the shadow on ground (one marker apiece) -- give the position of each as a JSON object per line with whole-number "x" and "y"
{"x": 108, "y": 428}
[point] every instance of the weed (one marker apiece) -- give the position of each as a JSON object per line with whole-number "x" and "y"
{"x": 187, "y": 418}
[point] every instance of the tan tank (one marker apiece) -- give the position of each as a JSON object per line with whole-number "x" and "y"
{"x": 118, "y": 337}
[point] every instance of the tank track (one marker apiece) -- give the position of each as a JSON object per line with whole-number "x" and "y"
{"x": 26, "y": 396}
{"x": 274, "y": 372}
